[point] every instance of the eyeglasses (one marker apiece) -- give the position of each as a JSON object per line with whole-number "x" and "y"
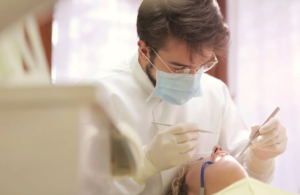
{"x": 204, "y": 68}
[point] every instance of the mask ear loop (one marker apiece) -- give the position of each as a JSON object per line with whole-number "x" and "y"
{"x": 158, "y": 57}
{"x": 147, "y": 59}
{"x": 202, "y": 176}
{"x": 162, "y": 61}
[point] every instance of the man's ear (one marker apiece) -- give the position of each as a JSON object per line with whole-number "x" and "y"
{"x": 143, "y": 47}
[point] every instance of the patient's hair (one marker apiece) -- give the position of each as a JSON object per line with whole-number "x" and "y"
{"x": 179, "y": 187}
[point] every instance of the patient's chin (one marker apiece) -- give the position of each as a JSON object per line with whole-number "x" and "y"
{"x": 222, "y": 174}
{"x": 228, "y": 158}
{"x": 230, "y": 165}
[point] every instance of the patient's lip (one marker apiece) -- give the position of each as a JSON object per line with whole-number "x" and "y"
{"x": 218, "y": 153}
{"x": 221, "y": 152}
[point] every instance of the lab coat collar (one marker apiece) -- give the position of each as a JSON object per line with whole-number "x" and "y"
{"x": 140, "y": 74}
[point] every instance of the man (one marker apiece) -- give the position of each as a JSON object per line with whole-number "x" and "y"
{"x": 165, "y": 83}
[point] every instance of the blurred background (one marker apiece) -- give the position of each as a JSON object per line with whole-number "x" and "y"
{"x": 262, "y": 68}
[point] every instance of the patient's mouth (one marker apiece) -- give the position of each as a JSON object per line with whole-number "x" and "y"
{"x": 221, "y": 153}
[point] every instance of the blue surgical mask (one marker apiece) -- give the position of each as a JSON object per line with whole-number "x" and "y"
{"x": 177, "y": 89}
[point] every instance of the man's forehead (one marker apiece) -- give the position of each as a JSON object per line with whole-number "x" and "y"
{"x": 182, "y": 57}
{"x": 181, "y": 53}
{"x": 198, "y": 58}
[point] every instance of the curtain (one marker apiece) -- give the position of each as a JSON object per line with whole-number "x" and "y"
{"x": 264, "y": 72}
{"x": 92, "y": 36}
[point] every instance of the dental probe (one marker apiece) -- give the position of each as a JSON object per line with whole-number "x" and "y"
{"x": 257, "y": 133}
{"x": 199, "y": 130}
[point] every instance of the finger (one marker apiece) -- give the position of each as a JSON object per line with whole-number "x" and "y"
{"x": 276, "y": 140}
{"x": 254, "y": 129}
{"x": 188, "y": 155}
{"x": 269, "y": 126}
{"x": 261, "y": 139}
{"x": 188, "y": 136}
{"x": 276, "y": 148}
{"x": 182, "y": 128}
{"x": 187, "y": 146}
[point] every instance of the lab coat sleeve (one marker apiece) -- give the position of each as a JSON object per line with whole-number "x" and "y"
{"x": 93, "y": 180}
{"x": 234, "y": 136}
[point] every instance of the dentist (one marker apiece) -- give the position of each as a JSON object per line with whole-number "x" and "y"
{"x": 165, "y": 82}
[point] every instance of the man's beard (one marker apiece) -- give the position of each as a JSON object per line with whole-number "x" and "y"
{"x": 148, "y": 68}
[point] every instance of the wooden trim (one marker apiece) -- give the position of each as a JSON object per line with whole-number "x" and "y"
{"x": 45, "y": 27}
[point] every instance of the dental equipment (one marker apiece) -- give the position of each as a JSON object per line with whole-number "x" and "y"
{"x": 257, "y": 133}
{"x": 199, "y": 130}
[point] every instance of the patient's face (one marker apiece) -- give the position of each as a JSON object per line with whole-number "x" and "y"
{"x": 224, "y": 172}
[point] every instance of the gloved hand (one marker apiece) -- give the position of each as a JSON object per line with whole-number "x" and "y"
{"x": 272, "y": 140}
{"x": 169, "y": 148}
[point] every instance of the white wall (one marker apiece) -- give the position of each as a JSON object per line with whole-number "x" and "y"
{"x": 92, "y": 35}
{"x": 264, "y": 72}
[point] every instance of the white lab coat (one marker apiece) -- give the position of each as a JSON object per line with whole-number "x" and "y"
{"x": 123, "y": 93}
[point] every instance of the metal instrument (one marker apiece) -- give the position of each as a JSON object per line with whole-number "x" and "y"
{"x": 257, "y": 133}
{"x": 199, "y": 130}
